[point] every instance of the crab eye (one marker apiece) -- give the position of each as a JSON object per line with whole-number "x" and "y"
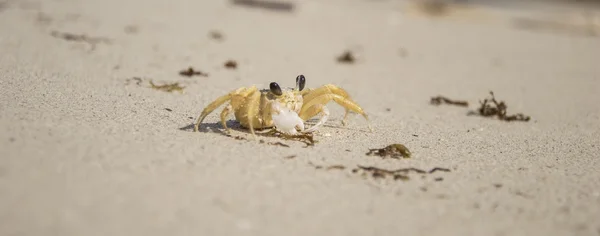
{"x": 300, "y": 82}
{"x": 275, "y": 89}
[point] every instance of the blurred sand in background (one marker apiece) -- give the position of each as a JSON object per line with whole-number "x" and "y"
{"x": 88, "y": 147}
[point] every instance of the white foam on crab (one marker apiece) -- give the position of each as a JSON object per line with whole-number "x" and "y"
{"x": 286, "y": 120}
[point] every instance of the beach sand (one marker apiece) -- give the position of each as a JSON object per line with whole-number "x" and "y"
{"x": 89, "y": 148}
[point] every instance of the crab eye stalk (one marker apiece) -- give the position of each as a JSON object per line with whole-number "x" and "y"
{"x": 275, "y": 89}
{"x": 300, "y": 82}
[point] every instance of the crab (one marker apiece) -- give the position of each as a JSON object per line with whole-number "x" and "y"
{"x": 285, "y": 110}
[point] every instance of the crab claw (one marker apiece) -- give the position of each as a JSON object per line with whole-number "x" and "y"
{"x": 286, "y": 120}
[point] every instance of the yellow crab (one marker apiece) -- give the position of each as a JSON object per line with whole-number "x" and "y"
{"x": 285, "y": 110}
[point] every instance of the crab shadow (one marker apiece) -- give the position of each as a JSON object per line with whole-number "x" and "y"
{"x": 219, "y": 129}
{"x": 235, "y": 126}
{"x": 212, "y": 127}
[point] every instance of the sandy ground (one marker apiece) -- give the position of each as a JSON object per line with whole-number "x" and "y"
{"x": 86, "y": 150}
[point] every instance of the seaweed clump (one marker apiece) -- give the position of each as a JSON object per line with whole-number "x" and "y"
{"x": 490, "y": 107}
{"x": 394, "y": 151}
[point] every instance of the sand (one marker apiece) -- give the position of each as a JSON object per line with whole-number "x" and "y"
{"x": 85, "y": 150}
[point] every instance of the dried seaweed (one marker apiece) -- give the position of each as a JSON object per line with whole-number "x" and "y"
{"x": 189, "y": 72}
{"x": 237, "y": 137}
{"x": 375, "y": 172}
{"x": 490, "y": 107}
{"x": 167, "y": 87}
{"x": 394, "y": 151}
{"x": 273, "y": 133}
{"x": 231, "y": 64}
{"x": 43, "y": 19}
{"x": 170, "y": 87}
{"x": 382, "y": 173}
{"x": 439, "y": 169}
{"x": 81, "y": 38}
{"x": 275, "y": 143}
{"x": 522, "y": 194}
{"x": 138, "y": 81}
{"x": 216, "y": 35}
{"x": 278, "y": 144}
{"x": 315, "y": 166}
{"x": 441, "y": 99}
{"x": 402, "y": 52}
{"x": 131, "y": 29}
{"x": 307, "y": 138}
{"x": 398, "y": 174}
{"x": 336, "y": 167}
{"x": 267, "y": 5}
{"x": 433, "y": 7}
{"x": 346, "y": 57}
{"x": 331, "y": 167}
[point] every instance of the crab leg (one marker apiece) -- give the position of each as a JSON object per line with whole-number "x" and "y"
{"x": 310, "y": 94}
{"x": 210, "y": 108}
{"x": 325, "y": 89}
{"x": 224, "y": 115}
{"x": 312, "y": 111}
{"x": 346, "y": 103}
{"x": 232, "y": 97}
{"x": 252, "y": 111}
